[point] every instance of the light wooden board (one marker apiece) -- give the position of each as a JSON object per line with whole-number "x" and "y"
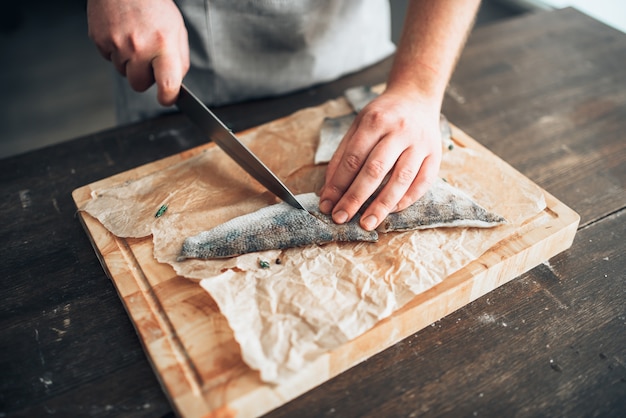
{"x": 192, "y": 348}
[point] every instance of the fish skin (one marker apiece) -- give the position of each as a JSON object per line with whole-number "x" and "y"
{"x": 359, "y": 97}
{"x": 281, "y": 226}
{"x": 331, "y": 134}
{"x": 442, "y": 206}
{"x": 277, "y": 226}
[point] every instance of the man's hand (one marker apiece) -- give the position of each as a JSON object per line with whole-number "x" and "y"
{"x": 145, "y": 39}
{"x": 395, "y": 141}
{"x": 393, "y": 145}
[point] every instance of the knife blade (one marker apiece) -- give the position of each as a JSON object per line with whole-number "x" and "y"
{"x": 219, "y": 133}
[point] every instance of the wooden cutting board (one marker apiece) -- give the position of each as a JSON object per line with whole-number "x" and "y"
{"x": 193, "y": 350}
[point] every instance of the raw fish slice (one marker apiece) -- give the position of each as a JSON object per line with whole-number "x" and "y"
{"x": 359, "y": 97}
{"x": 273, "y": 227}
{"x": 281, "y": 226}
{"x": 442, "y": 206}
{"x": 331, "y": 134}
{"x": 446, "y": 132}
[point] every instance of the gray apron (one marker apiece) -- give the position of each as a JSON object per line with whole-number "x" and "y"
{"x": 247, "y": 49}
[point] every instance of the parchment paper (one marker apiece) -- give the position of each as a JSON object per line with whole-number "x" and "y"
{"x": 318, "y": 297}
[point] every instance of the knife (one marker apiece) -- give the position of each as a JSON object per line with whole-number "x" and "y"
{"x": 219, "y": 133}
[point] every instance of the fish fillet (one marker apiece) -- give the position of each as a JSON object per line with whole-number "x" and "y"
{"x": 359, "y": 97}
{"x": 273, "y": 227}
{"x": 281, "y": 226}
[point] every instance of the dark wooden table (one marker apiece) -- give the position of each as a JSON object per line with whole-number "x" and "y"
{"x": 546, "y": 92}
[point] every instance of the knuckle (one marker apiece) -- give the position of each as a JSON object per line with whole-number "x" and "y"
{"x": 333, "y": 190}
{"x": 135, "y": 44}
{"x": 385, "y": 205}
{"x": 336, "y": 190}
{"x": 352, "y": 200}
{"x": 119, "y": 41}
{"x": 160, "y": 37}
{"x": 162, "y": 40}
{"x": 168, "y": 85}
{"x": 375, "y": 169}
{"x": 142, "y": 44}
{"x": 375, "y": 118}
{"x": 352, "y": 162}
{"x": 406, "y": 175}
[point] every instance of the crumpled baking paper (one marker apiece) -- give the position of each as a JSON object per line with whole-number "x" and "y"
{"x": 318, "y": 297}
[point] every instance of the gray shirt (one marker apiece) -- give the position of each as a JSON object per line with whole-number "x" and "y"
{"x": 246, "y": 49}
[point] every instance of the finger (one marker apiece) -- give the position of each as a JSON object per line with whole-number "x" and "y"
{"x": 328, "y": 196}
{"x": 183, "y": 47}
{"x": 168, "y": 77}
{"x": 423, "y": 182}
{"x": 371, "y": 175}
{"x": 170, "y": 68}
{"x": 339, "y": 189}
{"x": 139, "y": 74}
{"x": 118, "y": 61}
{"x": 402, "y": 177}
{"x": 337, "y": 156}
{"x": 344, "y": 168}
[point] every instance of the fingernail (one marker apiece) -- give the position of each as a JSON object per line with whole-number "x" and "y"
{"x": 326, "y": 206}
{"x": 340, "y": 217}
{"x": 369, "y": 223}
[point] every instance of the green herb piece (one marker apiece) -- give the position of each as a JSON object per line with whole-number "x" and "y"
{"x": 450, "y": 147}
{"x": 264, "y": 264}
{"x": 161, "y": 211}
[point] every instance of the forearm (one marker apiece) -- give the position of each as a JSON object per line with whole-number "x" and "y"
{"x": 433, "y": 35}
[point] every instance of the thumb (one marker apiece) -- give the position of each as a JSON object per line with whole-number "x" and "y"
{"x": 168, "y": 76}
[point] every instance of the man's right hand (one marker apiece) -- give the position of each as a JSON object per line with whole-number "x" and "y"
{"x": 145, "y": 39}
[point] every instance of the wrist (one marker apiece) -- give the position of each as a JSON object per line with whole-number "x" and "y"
{"x": 421, "y": 94}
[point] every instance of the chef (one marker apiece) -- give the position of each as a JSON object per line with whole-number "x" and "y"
{"x": 234, "y": 50}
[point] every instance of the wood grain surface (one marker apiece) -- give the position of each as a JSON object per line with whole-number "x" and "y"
{"x": 545, "y": 92}
{"x": 194, "y": 352}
